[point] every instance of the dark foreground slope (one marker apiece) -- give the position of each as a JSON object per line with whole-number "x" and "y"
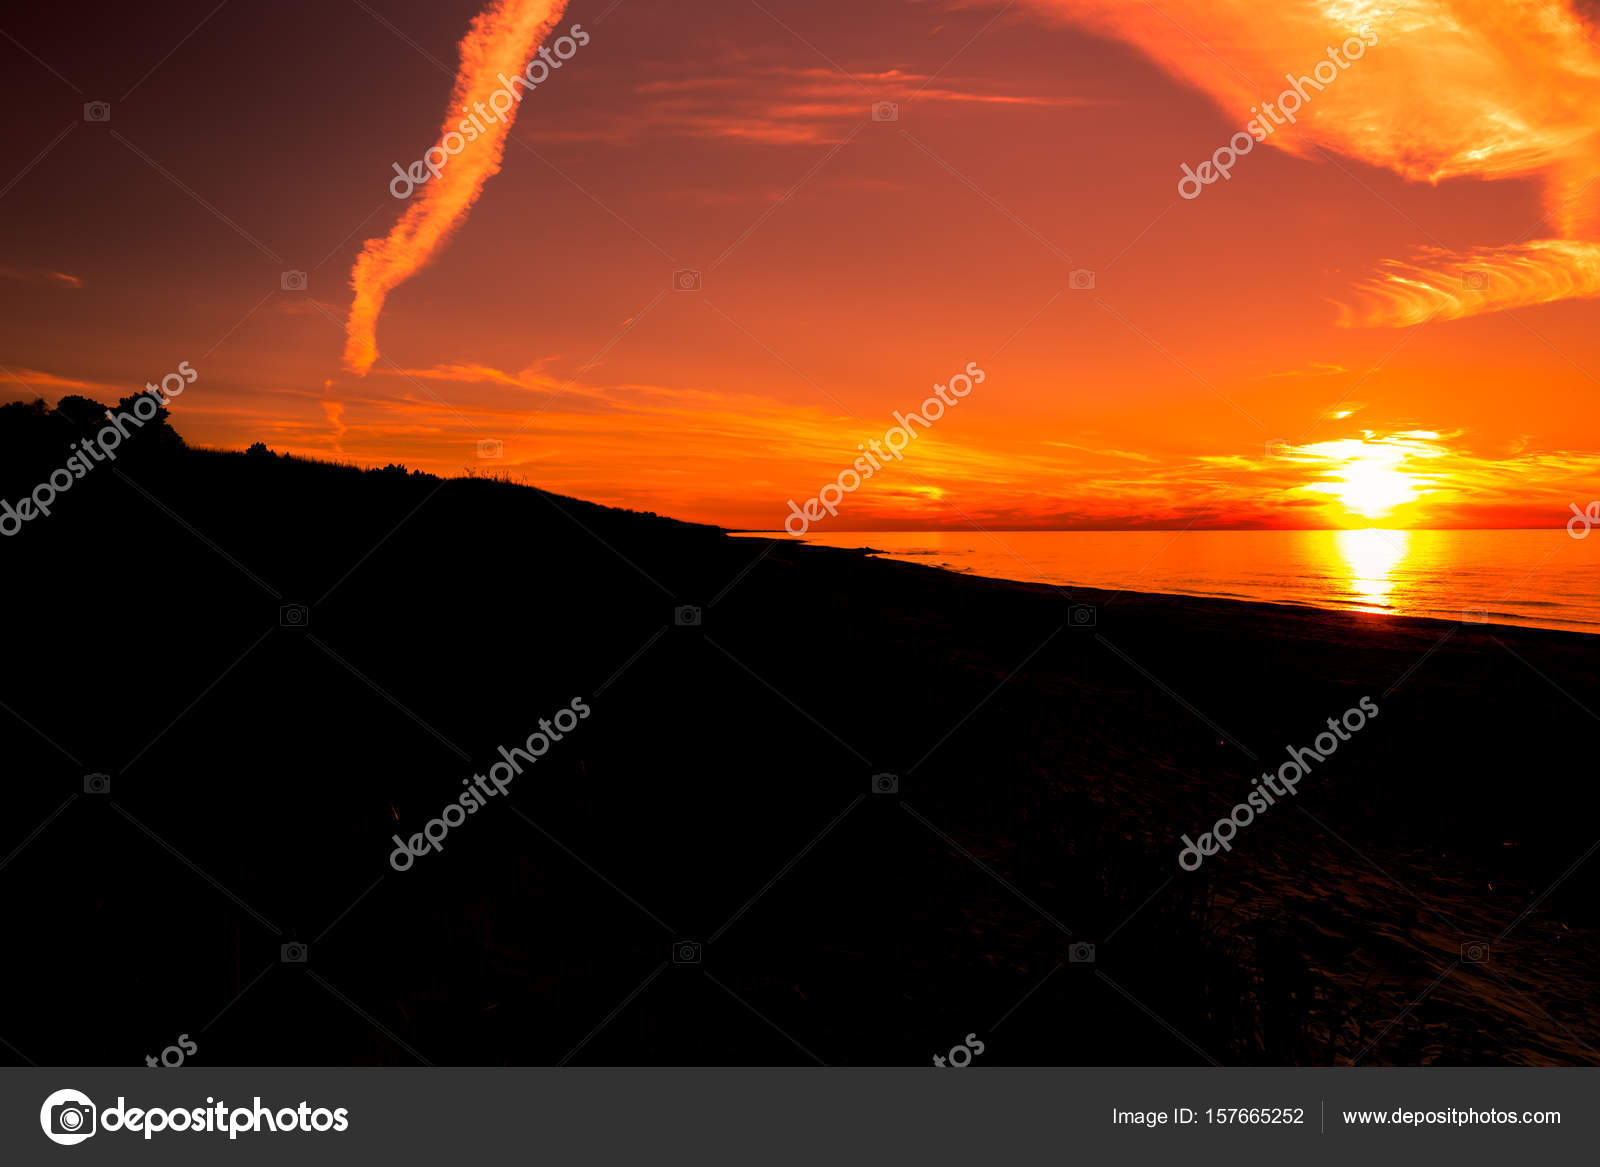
{"x": 261, "y": 756}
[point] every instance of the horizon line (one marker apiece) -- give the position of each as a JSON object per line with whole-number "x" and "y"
{"x": 1113, "y": 530}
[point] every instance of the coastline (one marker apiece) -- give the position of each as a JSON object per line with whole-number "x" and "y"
{"x": 1491, "y": 618}
{"x": 727, "y": 792}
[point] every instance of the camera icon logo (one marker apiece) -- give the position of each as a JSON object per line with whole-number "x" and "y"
{"x": 1474, "y": 952}
{"x": 686, "y": 616}
{"x": 885, "y": 111}
{"x": 67, "y": 1117}
{"x": 491, "y": 448}
{"x": 1277, "y": 448}
{"x": 1081, "y": 953}
{"x": 293, "y": 281}
{"x": 1474, "y": 616}
{"x": 686, "y": 952}
{"x": 687, "y": 280}
{"x": 294, "y": 616}
{"x": 1081, "y": 280}
{"x": 1082, "y": 616}
{"x": 97, "y": 783}
{"x": 293, "y": 952}
{"x": 97, "y": 111}
{"x": 1475, "y": 281}
{"x": 886, "y": 784}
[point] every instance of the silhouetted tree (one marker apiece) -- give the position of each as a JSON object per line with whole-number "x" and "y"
{"x": 35, "y": 439}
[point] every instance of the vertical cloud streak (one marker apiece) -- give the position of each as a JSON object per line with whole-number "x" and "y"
{"x": 500, "y": 40}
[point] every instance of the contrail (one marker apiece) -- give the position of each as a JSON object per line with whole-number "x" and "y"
{"x": 497, "y": 46}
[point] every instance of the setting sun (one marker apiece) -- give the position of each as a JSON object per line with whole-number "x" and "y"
{"x": 1370, "y": 483}
{"x": 1371, "y": 477}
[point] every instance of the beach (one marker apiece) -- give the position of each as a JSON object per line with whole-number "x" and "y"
{"x": 827, "y": 807}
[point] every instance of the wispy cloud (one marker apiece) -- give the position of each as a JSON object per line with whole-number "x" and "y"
{"x": 1314, "y": 369}
{"x": 735, "y": 457}
{"x": 1453, "y": 89}
{"x": 1451, "y": 285}
{"x": 783, "y": 105}
{"x": 40, "y": 275}
{"x": 43, "y": 383}
{"x": 334, "y": 412}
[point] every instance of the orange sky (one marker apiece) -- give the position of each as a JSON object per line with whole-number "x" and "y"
{"x": 1385, "y": 315}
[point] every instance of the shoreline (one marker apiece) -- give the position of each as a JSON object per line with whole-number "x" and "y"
{"x": 888, "y": 799}
{"x": 889, "y": 556}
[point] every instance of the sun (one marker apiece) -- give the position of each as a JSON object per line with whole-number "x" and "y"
{"x": 1366, "y": 477}
{"x": 1372, "y": 486}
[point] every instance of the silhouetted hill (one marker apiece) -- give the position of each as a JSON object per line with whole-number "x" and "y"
{"x": 282, "y": 664}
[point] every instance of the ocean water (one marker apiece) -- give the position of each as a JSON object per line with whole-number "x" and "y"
{"x": 1541, "y": 578}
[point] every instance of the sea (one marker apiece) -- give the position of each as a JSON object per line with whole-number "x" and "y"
{"x": 1536, "y": 578}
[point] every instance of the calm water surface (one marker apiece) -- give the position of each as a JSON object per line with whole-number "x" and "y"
{"x": 1545, "y": 579}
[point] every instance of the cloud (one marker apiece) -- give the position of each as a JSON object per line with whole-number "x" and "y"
{"x": 782, "y": 105}
{"x": 734, "y": 458}
{"x": 39, "y": 275}
{"x": 1314, "y": 369}
{"x": 500, "y": 40}
{"x": 1451, "y": 285}
{"x": 1107, "y": 453}
{"x": 334, "y": 412}
{"x": 1452, "y": 89}
{"x": 472, "y": 373}
{"x": 35, "y": 380}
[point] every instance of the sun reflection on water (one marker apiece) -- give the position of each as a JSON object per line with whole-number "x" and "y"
{"x": 1370, "y": 557}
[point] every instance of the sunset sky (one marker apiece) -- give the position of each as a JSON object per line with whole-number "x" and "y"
{"x": 1386, "y": 316}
